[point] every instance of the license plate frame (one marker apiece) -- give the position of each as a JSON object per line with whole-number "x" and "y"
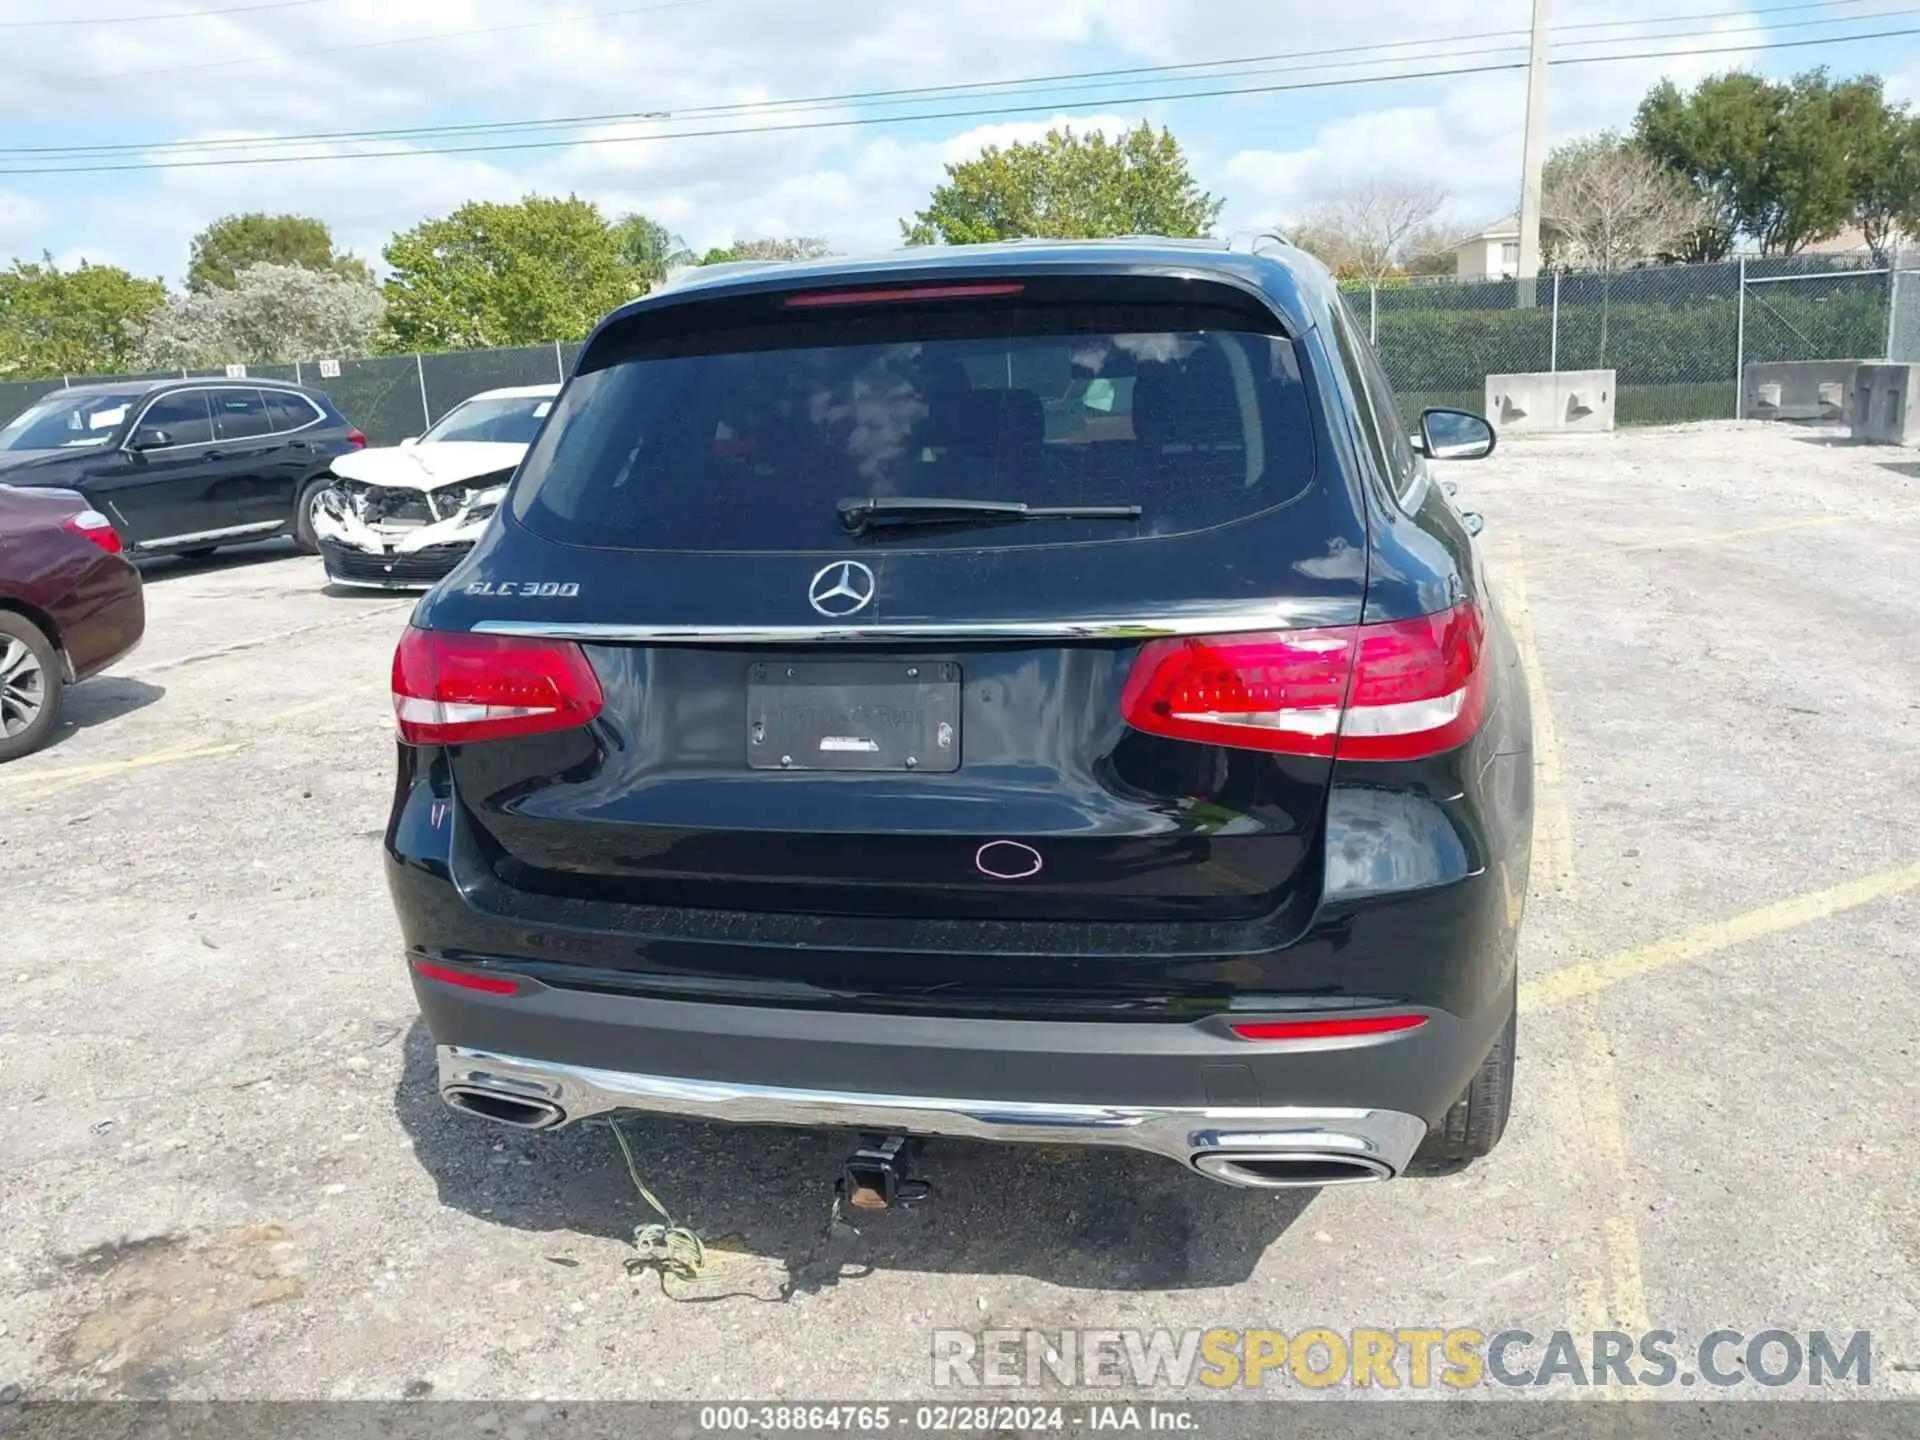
{"x": 894, "y": 716}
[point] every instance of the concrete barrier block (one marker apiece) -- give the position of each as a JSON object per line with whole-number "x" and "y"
{"x": 1884, "y": 405}
{"x": 1578, "y": 400}
{"x": 1797, "y": 389}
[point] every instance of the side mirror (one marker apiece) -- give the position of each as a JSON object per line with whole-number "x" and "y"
{"x": 1455, "y": 435}
{"x": 409, "y": 442}
{"x": 150, "y": 437}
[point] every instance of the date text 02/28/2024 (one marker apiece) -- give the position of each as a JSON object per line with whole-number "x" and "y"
{"x": 964, "y": 1418}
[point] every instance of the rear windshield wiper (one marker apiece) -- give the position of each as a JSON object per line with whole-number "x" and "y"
{"x": 862, "y": 515}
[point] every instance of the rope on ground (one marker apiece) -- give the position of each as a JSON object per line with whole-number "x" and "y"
{"x": 664, "y": 1243}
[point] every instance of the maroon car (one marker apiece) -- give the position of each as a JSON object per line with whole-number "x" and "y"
{"x": 70, "y": 605}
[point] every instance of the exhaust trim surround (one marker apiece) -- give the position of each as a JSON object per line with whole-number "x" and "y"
{"x": 1218, "y": 1142}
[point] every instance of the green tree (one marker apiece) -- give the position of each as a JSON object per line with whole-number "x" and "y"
{"x": 272, "y": 314}
{"x": 798, "y": 247}
{"x": 1068, "y": 186}
{"x": 1778, "y": 163}
{"x": 649, "y": 247}
{"x": 228, "y": 246}
{"x": 1885, "y": 160}
{"x": 71, "y": 322}
{"x": 523, "y": 274}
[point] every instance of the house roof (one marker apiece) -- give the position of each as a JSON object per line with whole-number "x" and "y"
{"x": 1507, "y": 229}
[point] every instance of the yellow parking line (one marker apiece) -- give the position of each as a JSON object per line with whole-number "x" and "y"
{"x": 100, "y": 768}
{"x": 58, "y": 782}
{"x": 1589, "y": 1143}
{"x": 1577, "y": 982}
{"x": 1552, "y": 825}
{"x": 1605, "y": 1133}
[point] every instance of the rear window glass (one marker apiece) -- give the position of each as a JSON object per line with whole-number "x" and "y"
{"x": 290, "y": 411}
{"x": 749, "y": 440}
{"x": 239, "y": 414}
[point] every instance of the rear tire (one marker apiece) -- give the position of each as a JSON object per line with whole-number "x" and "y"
{"x": 303, "y": 507}
{"x": 31, "y": 685}
{"x": 1478, "y": 1118}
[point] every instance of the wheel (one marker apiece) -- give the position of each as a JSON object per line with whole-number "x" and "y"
{"x": 30, "y": 686}
{"x": 199, "y": 552}
{"x": 303, "y": 509}
{"x": 1478, "y": 1118}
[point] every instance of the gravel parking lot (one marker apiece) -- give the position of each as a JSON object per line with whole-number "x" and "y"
{"x": 225, "y": 1172}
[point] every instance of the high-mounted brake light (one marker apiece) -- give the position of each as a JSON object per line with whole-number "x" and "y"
{"x": 92, "y": 525}
{"x": 816, "y": 299}
{"x": 451, "y": 689}
{"x": 1401, "y": 690}
{"x": 1326, "y": 1029}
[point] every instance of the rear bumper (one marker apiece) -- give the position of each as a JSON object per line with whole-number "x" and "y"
{"x": 770, "y": 1019}
{"x": 102, "y": 618}
{"x": 540, "y": 1095}
{"x": 551, "y": 1056}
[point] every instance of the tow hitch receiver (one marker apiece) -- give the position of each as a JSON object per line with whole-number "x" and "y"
{"x": 877, "y": 1176}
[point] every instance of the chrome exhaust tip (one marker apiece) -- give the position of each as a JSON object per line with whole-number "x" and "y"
{"x": 1288, "y": 1170}
{"x": 514, "y": 1110}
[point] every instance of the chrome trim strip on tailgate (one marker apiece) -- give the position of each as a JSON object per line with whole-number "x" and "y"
{"x": 1146, "y": 627}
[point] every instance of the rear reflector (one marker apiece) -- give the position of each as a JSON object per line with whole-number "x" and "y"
{"x": 92, "y": 525}
{"x": 1326, "y": 1029}
{"x": 815, "y": 299}
{"x": 468, "y": 979}
{"x": 452, "y": 689}
{"x": 1401, "y": 690}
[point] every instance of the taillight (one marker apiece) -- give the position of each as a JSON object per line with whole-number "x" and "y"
{"x": 449, "y": 689}
{"x": 1401, "y": 690}
{"x": 92, "y": 525}
{"x": 356, "y": 440}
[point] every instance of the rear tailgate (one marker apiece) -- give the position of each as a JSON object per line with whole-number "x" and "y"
{"x": 915, "y": 722}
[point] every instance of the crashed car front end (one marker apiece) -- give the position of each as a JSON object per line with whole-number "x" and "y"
{"x": 402, "y": 537}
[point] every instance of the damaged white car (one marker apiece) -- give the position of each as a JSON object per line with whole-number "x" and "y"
{"x": 401, "y": 517}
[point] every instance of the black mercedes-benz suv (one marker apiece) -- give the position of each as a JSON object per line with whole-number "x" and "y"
{"x": 1030, "y": 692}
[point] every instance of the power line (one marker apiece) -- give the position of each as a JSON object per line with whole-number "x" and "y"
{"x": 850, "y": 122}
{"x": 306, "y": 54}
{"x": 1067, "y": 82}
{"x": 160, "y": 15}
{"x": 918, "y": 94}
{"x": 900, "y": 96}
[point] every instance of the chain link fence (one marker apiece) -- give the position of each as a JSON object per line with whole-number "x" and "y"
{"x": 388, "y": 397}
{"x": 1678, "y": 336}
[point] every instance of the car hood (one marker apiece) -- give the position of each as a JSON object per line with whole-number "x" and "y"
{"x": 427, "y": 467}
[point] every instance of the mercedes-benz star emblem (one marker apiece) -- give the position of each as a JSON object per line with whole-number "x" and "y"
{"x": 842, "y": 588}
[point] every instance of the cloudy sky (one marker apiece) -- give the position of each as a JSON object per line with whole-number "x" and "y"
{"x": 143, "y": 82}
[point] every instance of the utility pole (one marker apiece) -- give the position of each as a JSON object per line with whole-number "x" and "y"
{"x": 1533, "y": 156}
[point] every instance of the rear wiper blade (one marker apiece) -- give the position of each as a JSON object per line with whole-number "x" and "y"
{"x": 860, "y": 515}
